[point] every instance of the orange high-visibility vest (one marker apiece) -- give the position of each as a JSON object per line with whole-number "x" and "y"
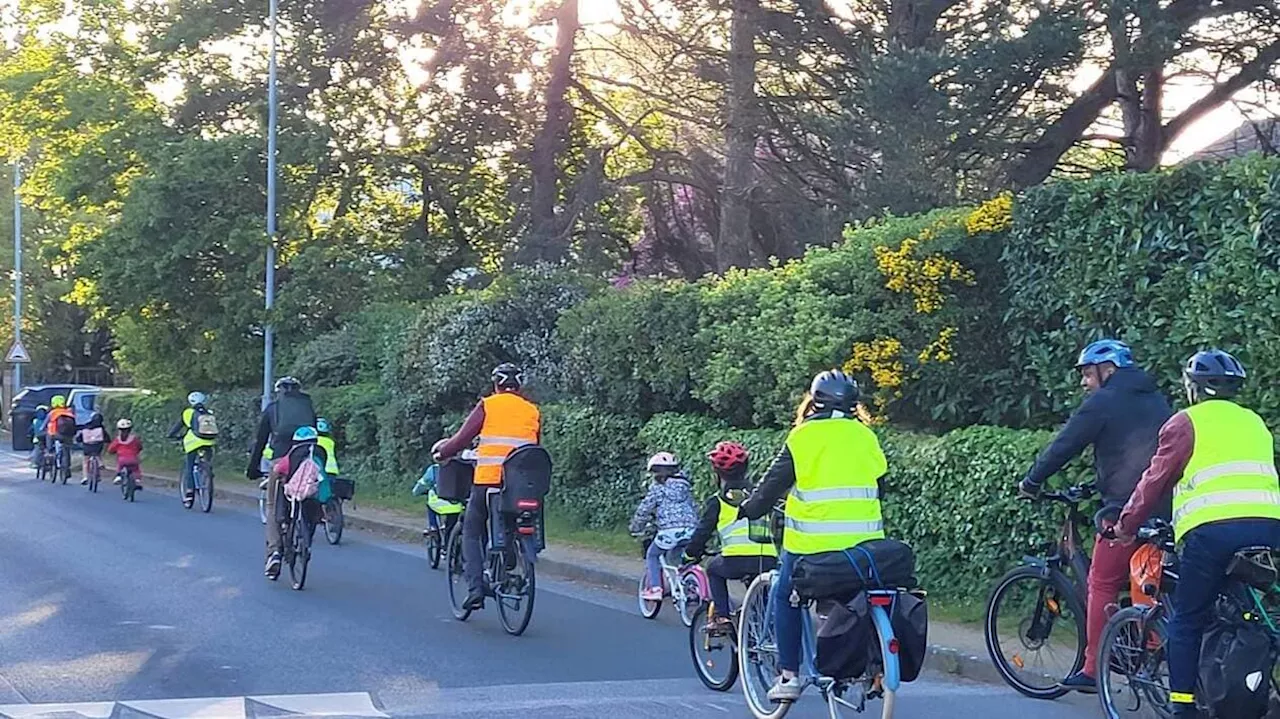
{"x": 510, "y": 422}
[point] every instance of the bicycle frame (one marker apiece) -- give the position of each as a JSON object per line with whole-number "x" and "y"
{"x": 674, "y": 577}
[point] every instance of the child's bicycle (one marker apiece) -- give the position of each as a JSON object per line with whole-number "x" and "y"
{"x": 128, "y": 485}
{"x": 686, "y": 584}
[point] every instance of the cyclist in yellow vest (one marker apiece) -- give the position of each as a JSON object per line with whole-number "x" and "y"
{"x": 739, "y": 556}
{"x": 504, "y": 421}
{"x": 185, "y": 429}
{"x": 1218, "y": 458}
{"x": 325, "y": 440}
{"x": 829, "y": 470}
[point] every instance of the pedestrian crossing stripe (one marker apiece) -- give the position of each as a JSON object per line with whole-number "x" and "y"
{"x": 353, "y": 704}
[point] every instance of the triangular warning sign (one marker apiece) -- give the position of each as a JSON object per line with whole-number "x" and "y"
{"x": 17, "y": 353}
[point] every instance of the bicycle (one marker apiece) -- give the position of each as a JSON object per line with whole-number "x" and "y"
{"x": 509, "y": 575}
{"x": 706, "y": 639}
{"x": 128, "y": 485}
{"x": 57, "y": 462}
{"x": 435, "y": 537}
{"x": 93, "y": 469}
{"x": 201, "y": 482}
{"x": 1038, "y": 596}
{"x": 758, "y": 655}
{"x": 45, "y": 467}
{"x": 295, "y": 532}
{"x": 685, "y": 584}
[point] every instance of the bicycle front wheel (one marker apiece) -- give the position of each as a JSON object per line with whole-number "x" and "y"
{"x": 457, "y": 578}
{"x": 714, "y": 651}
{"x": 1133, "y": 676}
{"x": 1035, "y": 631}
{"x": 434, "y": 548}
{"x": 517, "y": 591}
{"x": 758, "y": 650}
{"x": 333, "y": 521}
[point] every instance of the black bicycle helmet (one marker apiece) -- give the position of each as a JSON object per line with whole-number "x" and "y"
{"x": 507, "y": 376}
{"x": 1213, "y": 374}
{"x": 833, "y": 391}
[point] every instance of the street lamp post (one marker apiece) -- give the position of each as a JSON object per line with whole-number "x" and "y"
{"x": 17, "y": 271}
{"x": 269, "y": 335}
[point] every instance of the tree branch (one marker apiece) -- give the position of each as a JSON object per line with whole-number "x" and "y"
{"x": 1250, "y": 72}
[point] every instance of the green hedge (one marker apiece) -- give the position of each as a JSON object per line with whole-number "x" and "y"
{"x": 152, "y": 416}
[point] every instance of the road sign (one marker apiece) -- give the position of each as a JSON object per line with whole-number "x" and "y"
{"x": 17, "y": 354}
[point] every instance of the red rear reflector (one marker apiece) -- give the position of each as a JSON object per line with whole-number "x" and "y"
{"x": 881, "y": 600}
{"x": 526, "y": 530}
{"x": 893, "y": 645}
{"x": 527, "y": 504}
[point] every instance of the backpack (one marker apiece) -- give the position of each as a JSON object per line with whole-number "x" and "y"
{"x": 304, "y": 483}
{"x": 64, "y": 425}
{"x": 93, "y": 435}
{"x": 1236, "y": 660}
{"x": 204, "y": 425}
{"x": 288, "y": 413}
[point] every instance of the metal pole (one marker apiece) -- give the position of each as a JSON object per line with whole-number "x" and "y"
{"x": 269, "y": 334}
{"x": 17, "y": 271}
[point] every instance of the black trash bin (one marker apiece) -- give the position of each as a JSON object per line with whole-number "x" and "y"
{"x": 20, "y": 429}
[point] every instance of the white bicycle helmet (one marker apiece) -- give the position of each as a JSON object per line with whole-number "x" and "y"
{"x": 196, "y": 399}
{"x": 662, "y": 459}
{"x": 124, "y": 424}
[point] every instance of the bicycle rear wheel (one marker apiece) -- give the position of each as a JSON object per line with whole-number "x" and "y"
{"x": 128, "y": 487}
{"x": 333, "y": 521}
{"x": 1133, "y": 675}
{"x": 694, "y": 584}
{"x": 1035, "y": 631}
{"x": 301, "y": 538}
{"x": 435, "y": 547}
{"x": 517, "y": 591}
{"x": 457, "y": 579}
{"x": 758, "y": 650}
{"x": 714, "y": 652}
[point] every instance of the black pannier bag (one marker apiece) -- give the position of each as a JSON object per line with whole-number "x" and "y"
{"x": 1236, "y": 659}
{"x": 910, "y": 619}
{"x": 874, "y": 564}
{"x": 454, "y": 481}
{"x": 845, "y": 633}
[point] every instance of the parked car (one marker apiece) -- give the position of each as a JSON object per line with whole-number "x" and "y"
{"x": 23, "y": 408}
{"x": 84, "y": 400}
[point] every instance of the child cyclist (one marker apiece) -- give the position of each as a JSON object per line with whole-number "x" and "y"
{"x": 669, "y": 505}
{"x": 93, "y": 439}
{"x": 127, "y": 447}
{"x": 437, "y": 507}
{"x": 740, "y": 557}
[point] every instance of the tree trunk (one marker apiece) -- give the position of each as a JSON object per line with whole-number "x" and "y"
{"x": 733, "y": 248}
{"x": 547, "y": 241}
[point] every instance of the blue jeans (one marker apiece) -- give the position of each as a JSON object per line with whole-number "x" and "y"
{"x": 189, "y": 473}
{"x": 1206, "y": 552}
{"x": 786, "y": 618}
{"x": 654, "y": 566}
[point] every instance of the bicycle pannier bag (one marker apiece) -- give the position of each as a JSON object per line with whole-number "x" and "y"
{"x": 874, "y": 564}
{"x": 910, "y": 619}
{"x": 845, "y": 633}
{"x": 454, "y": 481}
{"x": 205, "y": 425}
{"x": 343, "y": 488}
{"x": 1236, "y": 660}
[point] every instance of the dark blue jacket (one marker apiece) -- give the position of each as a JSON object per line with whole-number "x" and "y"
{"x": 1122, "y": 422}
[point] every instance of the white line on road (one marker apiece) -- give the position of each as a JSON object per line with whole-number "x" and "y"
{"x": 355, "y": 704}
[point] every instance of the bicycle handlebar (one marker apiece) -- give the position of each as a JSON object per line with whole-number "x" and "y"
{"x": 1072, "y": 495}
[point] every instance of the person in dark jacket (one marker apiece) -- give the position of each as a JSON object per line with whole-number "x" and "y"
{"x": 289, "y": 412}
{"x": 1120, "y": 418}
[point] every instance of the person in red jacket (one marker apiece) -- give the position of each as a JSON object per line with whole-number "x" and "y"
{"x": 127, "y": 447}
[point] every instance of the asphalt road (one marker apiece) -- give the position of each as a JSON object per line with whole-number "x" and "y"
{"x": 103, "y": 601}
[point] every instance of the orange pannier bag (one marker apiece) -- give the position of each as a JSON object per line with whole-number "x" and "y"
{"x": 1146, "y": 569}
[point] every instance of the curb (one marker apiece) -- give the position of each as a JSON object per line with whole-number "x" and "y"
{"x": 941, "y": 659}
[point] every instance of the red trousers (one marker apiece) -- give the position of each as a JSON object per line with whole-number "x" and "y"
{"x": 1108, "y": 576}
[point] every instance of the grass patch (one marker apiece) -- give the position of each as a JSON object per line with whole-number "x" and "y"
{"x": 956, "y": 612}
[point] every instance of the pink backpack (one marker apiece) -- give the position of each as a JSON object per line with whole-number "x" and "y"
{"x": 304, "y": 483}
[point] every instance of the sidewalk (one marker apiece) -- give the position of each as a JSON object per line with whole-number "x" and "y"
{"x": 954, "y": 648}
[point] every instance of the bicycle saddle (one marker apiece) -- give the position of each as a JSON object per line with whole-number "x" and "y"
{"x": 1255, "y": 566}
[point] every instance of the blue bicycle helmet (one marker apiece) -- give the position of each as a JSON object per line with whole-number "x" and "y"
{"x": 305, "y": 434}
{"x": 1103, "y": 351}
{"x": 322, "y": 426}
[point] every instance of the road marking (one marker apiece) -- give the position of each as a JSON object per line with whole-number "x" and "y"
{"x": 355, "y": 704}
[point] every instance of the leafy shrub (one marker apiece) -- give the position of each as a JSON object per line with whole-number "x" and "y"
{"x": 154, "y": 414}
{"x": 598, "y": 464}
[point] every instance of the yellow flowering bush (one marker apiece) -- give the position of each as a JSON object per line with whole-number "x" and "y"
{"x": 922, "y": 277}
{"x": 882, "y": 359}
{"x": 994, "y": 215}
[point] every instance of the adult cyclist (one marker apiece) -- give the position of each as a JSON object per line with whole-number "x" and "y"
{"x": 504, "y": 421}
{"x": 1218, "y": 458}
{"x": 829, "y": 470}
{"x": 192, "y": 443}
{"x": 283, "y": 416}
{"x": 1120, "y": 418}
{"x": 60, "y": 424}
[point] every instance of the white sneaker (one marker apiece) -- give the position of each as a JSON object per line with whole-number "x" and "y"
{"x": 785, "y": 690}
{"x": 652, "y": 595}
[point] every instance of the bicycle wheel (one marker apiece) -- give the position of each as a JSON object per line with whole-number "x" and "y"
{"x": 434, "y": 547}
{"x": 64, "y": 465}
{"x": 262, "y": 505}
{"x": 1035, "y": 631}
{"x": 693, "y": 582}
{"x": 888, "y": 697}
{"x": 128, "y": 487}
{"x": 648, "y": 608}
{"x": 758, "y": 650}
{"x": 94, "y": 471}
{"x": 517, "y": 591}
{"x": 333, "y": 521}
{"x": 204, "y": 486}
{"x": 41, "y": 468}
{"x": 457, "y": 580}
{"x": 714, "y": 652}
{"x": 301, "y": 538}
{"x": 1133, "y": 677}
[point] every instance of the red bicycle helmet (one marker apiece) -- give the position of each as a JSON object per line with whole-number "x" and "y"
{"x": 728, "y": 456}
